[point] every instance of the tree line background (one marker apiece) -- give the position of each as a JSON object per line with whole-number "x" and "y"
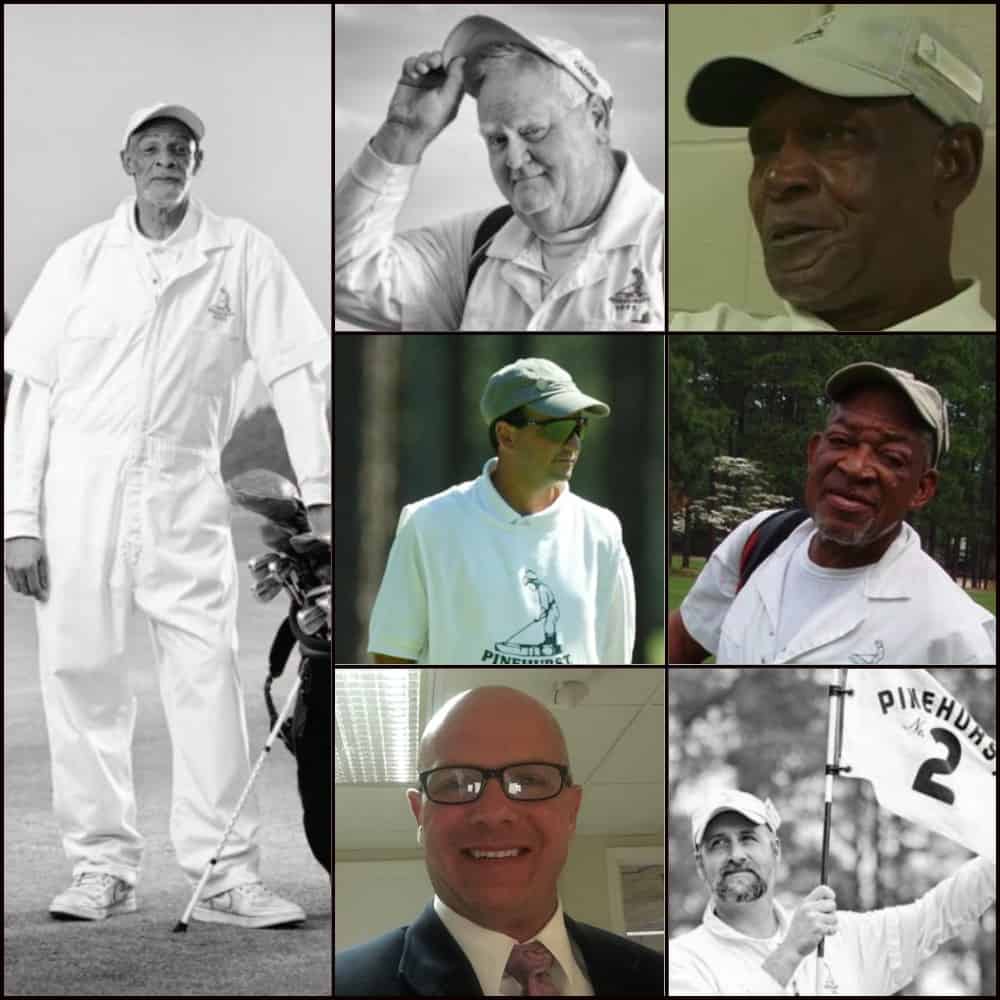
{"x": 763, "y": 730}
{"x": 408, "y": 426}
{"x": 760, "y": 396}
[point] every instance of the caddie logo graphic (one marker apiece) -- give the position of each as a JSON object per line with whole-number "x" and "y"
{"x": 541, "y": 645}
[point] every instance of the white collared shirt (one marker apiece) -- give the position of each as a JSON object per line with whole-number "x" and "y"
{"x": 488, "y": 952}
{"x": 902, "y": 610}
{"x": 416, "y": 280}
{"x": 964, "y": 311}
{"x": 470, "y": 580}
{"x": 871, "y": 954}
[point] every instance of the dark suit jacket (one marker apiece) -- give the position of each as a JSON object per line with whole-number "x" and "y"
{"x": 424, "y": 960}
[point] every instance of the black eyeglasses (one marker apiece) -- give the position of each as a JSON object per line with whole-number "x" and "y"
{"x": 460, "y": 784}
{"x": 557, "y": 430}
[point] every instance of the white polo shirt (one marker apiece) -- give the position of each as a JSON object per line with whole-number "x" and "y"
{"x": 471, "y": 581}
{"x": 871, "y": 955}
{"x": 962, "y": 312}
{"x": 903, "y": 610}
{"x": 608, "y": 276}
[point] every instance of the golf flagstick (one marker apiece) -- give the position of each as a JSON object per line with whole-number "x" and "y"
{"x": 834, "y": 738}
{"x": 286, "y": 708}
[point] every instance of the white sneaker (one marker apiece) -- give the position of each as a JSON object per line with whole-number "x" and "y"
{"x": 94, "y": 896}
{"x": 250, "y": 905}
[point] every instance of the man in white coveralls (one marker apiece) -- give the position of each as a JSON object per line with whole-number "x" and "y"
{"x": 128, "y": 362}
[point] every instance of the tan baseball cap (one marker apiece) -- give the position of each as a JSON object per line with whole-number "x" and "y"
{"x": 475, "y": 32}
{"x": 859, "y": 51}
{"x": 744, "y": 803}
{"x": 539, "y": 383}
{"x": 927, "y": 400}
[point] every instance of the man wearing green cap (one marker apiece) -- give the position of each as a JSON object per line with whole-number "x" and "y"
{"x": 512, "y": 568}
{"x": 846, "y": 580}
{"x": 865, "y": 135}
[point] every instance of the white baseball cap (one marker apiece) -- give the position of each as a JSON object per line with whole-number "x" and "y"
{"x": 732, "y": 801}
{"x": 475, "y": 32}
{"x": 178, "y": 111}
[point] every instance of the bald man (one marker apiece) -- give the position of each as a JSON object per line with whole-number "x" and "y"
{"x": 494, "y": 850}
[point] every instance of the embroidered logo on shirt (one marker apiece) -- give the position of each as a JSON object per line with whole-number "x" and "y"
{"x": 631, "y": 303}
{"x": 220, "y": 308}
{"x": 877, "y": 657}
{"x": 539, "y": 645}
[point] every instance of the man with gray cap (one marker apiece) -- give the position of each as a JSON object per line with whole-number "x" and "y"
{"x": 748, "y": 944}
{"x": 129, "y": 359}
{"x": 578, "y": 244}
{"x": 512, "y": 568}
{"x": 846, "y": 580}
{"x": 865, "y": 136}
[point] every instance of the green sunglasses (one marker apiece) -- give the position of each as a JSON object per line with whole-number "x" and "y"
{"x": 558, "y": 430}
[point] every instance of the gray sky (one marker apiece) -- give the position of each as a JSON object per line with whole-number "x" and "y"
{"x": 257, "y": 75}
{"x": 626, "y": 41}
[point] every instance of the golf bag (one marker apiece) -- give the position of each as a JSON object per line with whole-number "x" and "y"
{"x": 300, "y": 564}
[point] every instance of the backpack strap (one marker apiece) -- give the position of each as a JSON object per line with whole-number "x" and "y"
{"x": 765, "y": 538}
{"x": 488, "y": 228}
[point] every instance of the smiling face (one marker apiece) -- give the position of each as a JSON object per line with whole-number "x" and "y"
{"x": 552, "y": 163}
{"x": 877, "y": 182}
{"x": 491, "y": 727}
{"x": 738, "y": 858}
{"x": 162, "y": 158}
{"x": 866, "y": 471}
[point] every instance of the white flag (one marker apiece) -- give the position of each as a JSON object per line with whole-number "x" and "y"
{"x": 927, "y": 758}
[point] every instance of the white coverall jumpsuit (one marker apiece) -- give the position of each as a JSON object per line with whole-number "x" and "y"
{"x": 128, "y": 357}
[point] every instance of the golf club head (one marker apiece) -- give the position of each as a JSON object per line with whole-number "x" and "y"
{"x": 260, "y": 566}
{"x": 267, "y": 589}
{"x": 311, "y": 619}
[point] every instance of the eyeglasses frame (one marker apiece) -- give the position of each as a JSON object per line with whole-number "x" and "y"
{"x": 496, "y": 772}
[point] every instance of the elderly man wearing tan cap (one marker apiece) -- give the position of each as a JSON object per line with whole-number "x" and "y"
{"x": 865, "y": 135}
{"x": 130, "y": 363}
{"x": 748, "y": 944}
{"x": 512, "y": 568}
{"x": 844, "y": 580}
{"x": 578, "y": 244}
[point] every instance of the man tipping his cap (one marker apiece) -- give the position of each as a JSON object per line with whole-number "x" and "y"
{"x": 578, "y": 242}
{"x": 749, "y": 944}
{"x": 864, "y": 136}
{"x": 844, "y": 579}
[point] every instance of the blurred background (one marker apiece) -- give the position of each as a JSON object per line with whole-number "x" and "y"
{"x": 408, "y": 426}
{"x": 625, "y": 41}
{"x": 763, "y": 730}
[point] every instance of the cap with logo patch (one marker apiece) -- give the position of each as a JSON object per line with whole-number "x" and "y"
{"x": 856, "y": 51}
{"x": 539, "y": 383}
{"x": 744, "y": 803}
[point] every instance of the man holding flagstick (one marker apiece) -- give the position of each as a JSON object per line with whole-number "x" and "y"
{"x": 929, "y": 761}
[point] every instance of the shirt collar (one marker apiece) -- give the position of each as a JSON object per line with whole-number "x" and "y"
{"x": 717, "y": 926}
{"x": 488, "y": 951}
{"x": 209, "y": 230}
{"x": 495, "y": 505}
{"x": 953, "y": 314}
{"x": 621, "y": 224}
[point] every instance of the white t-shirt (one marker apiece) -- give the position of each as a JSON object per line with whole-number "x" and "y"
{"x": 903, "y": 610}
{"x": 871, "y": 955}
{"x": 471, "y": 581}
{"x": 962, "y": 312}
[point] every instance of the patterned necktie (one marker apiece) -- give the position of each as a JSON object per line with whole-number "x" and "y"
{"x": 529, "y": 964}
